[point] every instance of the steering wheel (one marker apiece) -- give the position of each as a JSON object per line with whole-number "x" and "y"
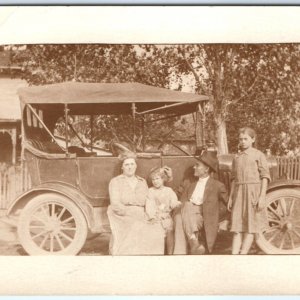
{"x": 164, "y": 140}
{"x": 120, "y": 147}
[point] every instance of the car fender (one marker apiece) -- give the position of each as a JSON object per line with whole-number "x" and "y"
{"x": 225, "y": 162}
{"x": 283, "y": 183}
{"x": 55, "y": 187}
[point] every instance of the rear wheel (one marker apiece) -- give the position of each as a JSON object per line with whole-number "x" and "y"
{"x": 51, "y": 224}
{"x": 283, "y": 233}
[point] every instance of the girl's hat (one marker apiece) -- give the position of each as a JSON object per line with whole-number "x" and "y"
{"x": 210, "y": 159}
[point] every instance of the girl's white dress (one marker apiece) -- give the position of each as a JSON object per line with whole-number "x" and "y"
{"x": 159, "y": 205}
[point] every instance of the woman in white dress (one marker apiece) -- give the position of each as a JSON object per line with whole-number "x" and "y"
{"x": 132, "y": 234}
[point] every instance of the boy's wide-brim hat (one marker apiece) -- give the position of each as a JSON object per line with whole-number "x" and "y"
{"x": 210, "y": 159}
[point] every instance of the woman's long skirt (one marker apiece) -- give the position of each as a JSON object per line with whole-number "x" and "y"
{"x": 133, "y": 235}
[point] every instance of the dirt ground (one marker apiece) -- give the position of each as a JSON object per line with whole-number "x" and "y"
{"x": 9, "y": 242}
{"x": 98, "y": 245}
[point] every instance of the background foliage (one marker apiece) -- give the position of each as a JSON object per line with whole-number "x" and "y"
{"x": 249, "y": 85}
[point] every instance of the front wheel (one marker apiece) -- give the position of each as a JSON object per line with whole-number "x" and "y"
{"x": 283, "y": 233}
{"x": 51, "y": 224}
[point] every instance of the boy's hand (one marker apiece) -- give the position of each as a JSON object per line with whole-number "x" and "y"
{"x": 178, "y": 204}
{"x": 176, "y": 209}
{"x": 224, "y": 225}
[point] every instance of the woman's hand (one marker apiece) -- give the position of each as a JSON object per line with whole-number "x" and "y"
{"x": 119, "y": 210}
{"x": 229, "y": 204}
{"x": 261, "y": 203}
{"x": 152, "y": 221}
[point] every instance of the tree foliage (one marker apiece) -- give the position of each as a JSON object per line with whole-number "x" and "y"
{"x": 248, "y": 84}
{"x": 46, "y": 64}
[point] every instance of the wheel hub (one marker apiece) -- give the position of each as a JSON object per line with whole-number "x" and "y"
{"x": 286, "y": 223}
{"x": 53, "y": 226}
{"x": 289, "y": 226}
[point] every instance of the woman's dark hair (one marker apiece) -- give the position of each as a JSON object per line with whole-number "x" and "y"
{"x": 125, "y": 155}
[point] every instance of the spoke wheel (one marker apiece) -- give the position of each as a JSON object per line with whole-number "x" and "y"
{"x": 283, "y": 233}
{"x": 51, "y": 224}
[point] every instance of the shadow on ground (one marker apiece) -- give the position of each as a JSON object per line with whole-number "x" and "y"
{"x": 223, "y": 245}
{"x": 98, "y": 245}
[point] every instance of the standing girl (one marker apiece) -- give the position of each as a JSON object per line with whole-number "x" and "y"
{"x": 248, "y": 193}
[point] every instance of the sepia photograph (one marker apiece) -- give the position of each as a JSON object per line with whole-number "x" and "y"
{"x": 151, "y": 151}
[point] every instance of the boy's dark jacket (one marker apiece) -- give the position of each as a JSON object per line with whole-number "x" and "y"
{"x": 214, "y": 205}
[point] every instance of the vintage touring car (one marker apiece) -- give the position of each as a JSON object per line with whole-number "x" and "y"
{"x": 69, "y": 194}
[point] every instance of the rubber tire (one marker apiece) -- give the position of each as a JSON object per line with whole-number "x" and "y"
{"x": 24, "y": 236}
{"x": 263, "y": 244}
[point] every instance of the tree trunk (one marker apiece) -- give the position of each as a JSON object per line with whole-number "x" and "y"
{"x": 200, "y": 138}
{"x": 218, "y": 101}
{"x": 221, "y": 136}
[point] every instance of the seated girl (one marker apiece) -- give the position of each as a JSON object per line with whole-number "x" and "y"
{"x": 160, "y": 202}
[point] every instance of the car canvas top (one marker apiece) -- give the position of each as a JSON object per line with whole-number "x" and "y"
{"x": 80, "y": 92}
